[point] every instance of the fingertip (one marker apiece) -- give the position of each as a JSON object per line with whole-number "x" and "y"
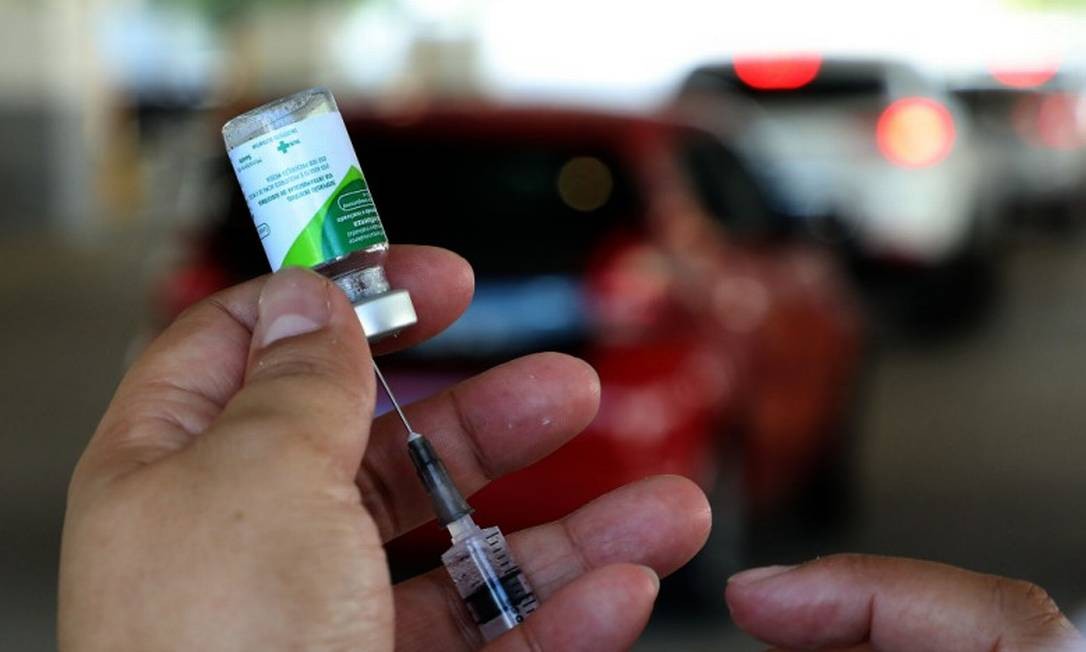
{"x": 776, "y": 603}
{"x": 587, "y": 376}
{"x": 461, "y": 275}
{"x": 621, "y": 592}
{"x": 687, "y": 498}
{"x": 297, "y": 301}
{"x": 308, "y": 359}
{"x": 622, "y": 585}
{"x": 754, "y": 575}
{"x": 743, "y": 607}
{"x": 441, "y": 284}
{"x": 660, "y": 522}
{"x": 748, "y": 606}
{"x": 682, "y": 502}
{"x": 407, "y": 265}
{"x": 543, "y": 399}
{"x": 576, "y": 379}
{"x": 633, "y": 587}
{"x": 654, "y": 579}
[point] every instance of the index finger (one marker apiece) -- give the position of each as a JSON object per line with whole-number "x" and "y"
{"x": 182, "y": 381}
{"x": 895, "y": 605}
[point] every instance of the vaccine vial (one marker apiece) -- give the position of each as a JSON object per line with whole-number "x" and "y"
{"x": 311, "y": 204}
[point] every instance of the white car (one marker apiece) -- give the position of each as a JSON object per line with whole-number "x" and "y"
{"x": 1034, "y": 140}
{"x": 876, "y": 144}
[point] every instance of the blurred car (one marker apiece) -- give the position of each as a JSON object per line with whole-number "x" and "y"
{"x": 1032, "y": 133}
{"x": 634, "y": 243}
{"x": 875, "y": 145}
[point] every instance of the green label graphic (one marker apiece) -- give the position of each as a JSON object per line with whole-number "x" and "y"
{"x": 347, "y": 222}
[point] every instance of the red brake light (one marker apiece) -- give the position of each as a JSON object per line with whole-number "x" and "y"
{"x": 1024, "y": 78}
{"x": 777, "y": 74}
{"x": 916, "y": 132}
{"x": 1030, "y": 72}
{"x": 1052, "y": 121}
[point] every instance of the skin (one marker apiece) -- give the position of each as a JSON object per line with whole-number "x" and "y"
{"x": 864, "y": 603}
{"x": 237, "y": 494}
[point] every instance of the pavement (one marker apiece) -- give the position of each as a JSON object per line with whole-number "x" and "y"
{"x": 971, "y": 448}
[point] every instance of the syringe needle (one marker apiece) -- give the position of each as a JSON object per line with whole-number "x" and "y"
{"x": 449, "y": 503}
{"x": 488, "y": 580}
{"x": 392, "y": 397}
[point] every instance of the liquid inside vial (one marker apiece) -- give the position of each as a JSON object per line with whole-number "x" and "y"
{"x": 360, "y": 274}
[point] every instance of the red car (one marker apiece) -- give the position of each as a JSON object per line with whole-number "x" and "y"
{"x": 638, "y": 244}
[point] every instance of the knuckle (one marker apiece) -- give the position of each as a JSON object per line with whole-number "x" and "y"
{"x": 312, "y": 378}
{"x": 197, "y": 311}
{"x": 207, "y": 309}
{"x": 297, "y": 362}
{"x": 471, "y": 428}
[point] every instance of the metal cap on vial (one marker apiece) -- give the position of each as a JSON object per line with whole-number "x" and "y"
{"x": 386, "y": 314}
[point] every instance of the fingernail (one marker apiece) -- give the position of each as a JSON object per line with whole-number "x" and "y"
{"x": 758, "y": 574}
{"x": 293, "y": 302}
{"x": 653, "y": 576}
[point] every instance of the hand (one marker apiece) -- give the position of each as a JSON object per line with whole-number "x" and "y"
{"x": 877, "y": 604}
{"x": 236, "y": 497}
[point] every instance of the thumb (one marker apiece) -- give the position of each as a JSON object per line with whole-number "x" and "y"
{"x": 895, "y": 605}
{"x": 309, "y": 378}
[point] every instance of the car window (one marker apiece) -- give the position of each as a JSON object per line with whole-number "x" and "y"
{"x": 511, "y": 208}
{"x": 726, "y": 189}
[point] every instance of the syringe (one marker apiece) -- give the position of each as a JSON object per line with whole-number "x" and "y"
{"x": 482, "y": 568}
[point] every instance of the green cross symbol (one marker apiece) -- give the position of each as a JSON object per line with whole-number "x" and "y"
{"x": 283, "y": 146}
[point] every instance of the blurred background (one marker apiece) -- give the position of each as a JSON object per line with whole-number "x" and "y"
{"x": 827, "y": 257}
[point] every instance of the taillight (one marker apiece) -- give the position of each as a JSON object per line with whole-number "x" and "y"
{"x": 1026, "y": 71}
{"x": 1024, "y": 78}
{"x": 916, "y": 132}
{"x": 1052, "y": 121}
{"x": 777, "y": 73}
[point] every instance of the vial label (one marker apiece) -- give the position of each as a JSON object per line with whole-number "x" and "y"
{"x": 306, "y": 192}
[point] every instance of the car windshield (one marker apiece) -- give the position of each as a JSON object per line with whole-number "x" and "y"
{"x": 478, "y": 197}
{"x": 527, "y": 213}
{"x": 727, "y": 189}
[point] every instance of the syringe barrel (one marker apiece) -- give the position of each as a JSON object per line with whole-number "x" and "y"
{"x": 491, "y": 584}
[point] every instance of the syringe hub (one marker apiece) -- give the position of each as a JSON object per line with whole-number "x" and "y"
{"x": 449, "y": 504}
